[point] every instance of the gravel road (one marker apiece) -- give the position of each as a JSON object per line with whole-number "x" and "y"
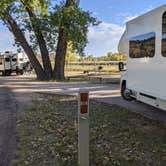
{"x": 7, "y": 126}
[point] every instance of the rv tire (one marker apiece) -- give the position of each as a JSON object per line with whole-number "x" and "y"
{"x": 6, "y": 73}
{"x": 20, "y": 72}
{"x": 126, "y": 93}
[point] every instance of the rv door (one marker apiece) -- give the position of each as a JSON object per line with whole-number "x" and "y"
{"x": 1, "y": 64}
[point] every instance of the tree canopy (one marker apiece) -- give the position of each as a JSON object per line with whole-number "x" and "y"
{"x": 47, "y": 26}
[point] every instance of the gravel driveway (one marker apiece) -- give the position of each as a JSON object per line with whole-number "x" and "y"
{"x": 7, "y": 126}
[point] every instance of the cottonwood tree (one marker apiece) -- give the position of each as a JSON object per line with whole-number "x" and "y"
{"x": 47, "y": 26}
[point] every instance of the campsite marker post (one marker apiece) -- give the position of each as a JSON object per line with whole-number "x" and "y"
{"x": 83, "y": 128}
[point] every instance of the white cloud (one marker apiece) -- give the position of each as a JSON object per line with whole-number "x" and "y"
{"x": 103, "y": 38}
{"x": 96, "y": 14}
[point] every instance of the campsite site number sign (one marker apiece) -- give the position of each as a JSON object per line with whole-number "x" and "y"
{"x": 83, "y": 128}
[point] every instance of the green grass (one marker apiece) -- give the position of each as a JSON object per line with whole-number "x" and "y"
{"x": 47, "y": 135}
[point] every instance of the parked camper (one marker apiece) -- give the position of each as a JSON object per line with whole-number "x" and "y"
{"x": 10, "y": 62}
{"x": 144, "y": 43}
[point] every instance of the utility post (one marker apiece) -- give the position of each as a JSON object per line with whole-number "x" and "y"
{"x": 83, "y": 128}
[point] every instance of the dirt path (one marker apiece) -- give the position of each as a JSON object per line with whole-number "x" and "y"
{"x": 24, "y": 89}
{"x": 7, "y": 126}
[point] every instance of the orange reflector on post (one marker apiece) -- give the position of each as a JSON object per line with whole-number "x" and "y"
{"x": 84, "y": 101}
{"x": 84, "y": 109}
{"x": 84, "y": 97}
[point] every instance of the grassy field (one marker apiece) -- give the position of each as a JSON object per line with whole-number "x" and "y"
{"x": 92, "y": 73}
{"x": 92, "y": 68}
{"x": 47, "y": 135}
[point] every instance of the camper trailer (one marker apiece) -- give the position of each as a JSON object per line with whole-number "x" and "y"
{"x": 10, "y": 63}
{"x": 144, "y": 43}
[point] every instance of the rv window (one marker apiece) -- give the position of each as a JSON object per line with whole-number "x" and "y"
{"x": 21, "y": 59}
{"x": 14, "y": 60}
{"x": 0, "y": 61}
{"x": 142, "y": 46}
{"x": 7, "y": 59}
{"x": 164, "y": 35}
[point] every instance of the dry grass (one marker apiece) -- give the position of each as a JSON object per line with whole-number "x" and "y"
{"x": 48, "y": 135}
{"x": 105, "y": 68}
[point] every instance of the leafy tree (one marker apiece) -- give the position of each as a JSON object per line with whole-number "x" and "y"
{"x": 90, "y": 58}
{"x": 50, "y": 27}
{"x": 71, "y": 56}
{"x": 123, "y": 57}
{"x": 73, "y": 25}
{"x": 111, "y": 56}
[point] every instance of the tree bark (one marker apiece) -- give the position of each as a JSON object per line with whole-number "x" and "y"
{"x": 42, "y": 44}
{"x": 62, "y": 48}
{"x": 18, "y": 34}
{"x": 60, "y": 56}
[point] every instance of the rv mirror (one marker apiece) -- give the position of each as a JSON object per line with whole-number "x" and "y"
{"x": 121, "y": 66}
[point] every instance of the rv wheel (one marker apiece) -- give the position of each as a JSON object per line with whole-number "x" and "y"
{"x": 20, "y": 72}
{"x": 6, "y": 73}
{"x": 126, "y": 93}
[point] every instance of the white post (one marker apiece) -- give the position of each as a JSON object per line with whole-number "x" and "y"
{"x": 83, "y": 128}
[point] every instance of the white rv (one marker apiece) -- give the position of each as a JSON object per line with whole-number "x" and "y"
{"x": 144, "y": 43}
{"x": 10, "y": 62}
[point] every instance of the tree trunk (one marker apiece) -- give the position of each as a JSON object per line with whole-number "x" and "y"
{"x": 41, "y": 75}
{"x": 42, "y": 44}
{"x": 60, "y": 56}
{"x": 62, "y": 48}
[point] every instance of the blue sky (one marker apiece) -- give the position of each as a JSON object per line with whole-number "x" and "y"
{"x": 113, "y": 14}
{"x": 105, "y": 37}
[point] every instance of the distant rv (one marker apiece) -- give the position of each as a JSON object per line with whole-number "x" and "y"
{"x": 144, "y": 43}
{"x": 12, "y": 62}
